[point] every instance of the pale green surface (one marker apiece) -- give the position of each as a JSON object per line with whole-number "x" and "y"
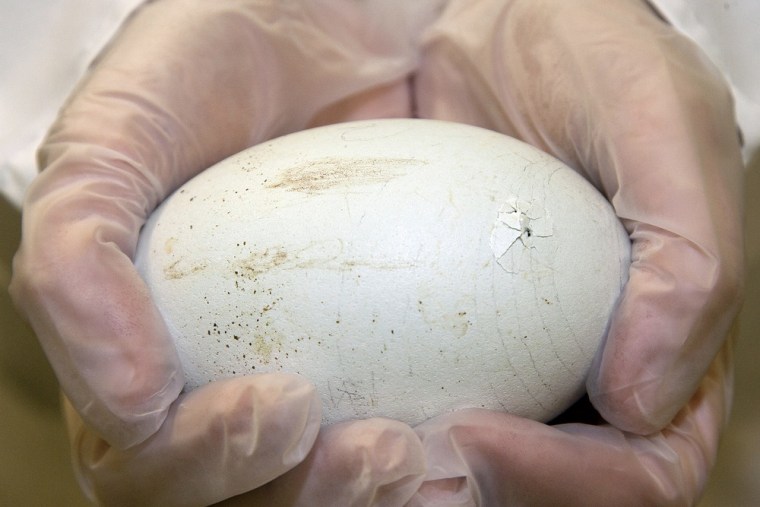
{"x": 735, "y": 480}
{"x": 34, "y": 452}
{"x": 34, "y": 460}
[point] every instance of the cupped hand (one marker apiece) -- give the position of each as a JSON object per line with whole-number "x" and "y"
{"x": 183, "y": 85}
{"x": 612, "y": 90}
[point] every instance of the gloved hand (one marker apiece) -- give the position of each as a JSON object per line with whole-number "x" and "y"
{"x": 185, "y": 84}
{"x": 613, "y": 91}
{"x": 476, "y": 457}
{"x": 474, "y": 71}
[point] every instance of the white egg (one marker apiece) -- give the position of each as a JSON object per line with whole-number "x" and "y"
{"x": 405, "y": 267}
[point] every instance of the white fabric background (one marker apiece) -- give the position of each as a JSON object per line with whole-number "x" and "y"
{"x": 45, "y": 48}
{"x": 729, "y": 32}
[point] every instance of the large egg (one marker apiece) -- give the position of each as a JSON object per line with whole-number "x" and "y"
{"x": 405, "y": 267}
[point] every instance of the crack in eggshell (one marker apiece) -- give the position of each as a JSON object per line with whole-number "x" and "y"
{"x": 521, "y": 220}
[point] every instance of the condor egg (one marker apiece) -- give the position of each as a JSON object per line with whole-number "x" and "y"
{"x": 405, "y": 267}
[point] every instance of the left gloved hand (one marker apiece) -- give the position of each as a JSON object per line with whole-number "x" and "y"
{"x": 185, "y": 84}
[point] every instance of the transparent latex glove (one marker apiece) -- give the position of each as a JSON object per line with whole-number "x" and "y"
{"x": 477, "y": 457}
{"x": 373, "y": 462}
{"x": 613, "y": 91}
{"x": 183, "y": 85}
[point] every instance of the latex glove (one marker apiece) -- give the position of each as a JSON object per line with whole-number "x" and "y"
{"x": 486, "y": 458}
{"x": 617, "y": 94}
{"x": 184, "y": 85}
{"x": 613, "y": 91}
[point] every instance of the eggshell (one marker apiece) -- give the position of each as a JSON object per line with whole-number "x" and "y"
{"x": 405, "y": 267}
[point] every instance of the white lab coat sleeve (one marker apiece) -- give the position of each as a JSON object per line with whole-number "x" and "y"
{"x": 45, "y": 49}
{"x": 728, "y": 32}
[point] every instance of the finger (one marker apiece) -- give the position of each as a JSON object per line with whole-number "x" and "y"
{"x": 498, "y": 459}
{"x": 105, "y": 339}
{"x": 670, "y": 319}
{"x": 374, "y": 462}
{"x": 218, "y": 441}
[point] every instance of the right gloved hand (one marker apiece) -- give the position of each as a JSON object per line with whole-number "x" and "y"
{"x": 185, "y": 84}
{"x": 616, "y": 93}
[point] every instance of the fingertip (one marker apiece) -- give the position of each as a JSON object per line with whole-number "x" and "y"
{"x": 620, "y": 400}
{"x": 627, "y": 409}
{"x": 218, "y": 441}
{"x": 357, "y": 462}
{"x": 275, "y": 415}
{"x": 287, "y": 402}
{"x": 129, "y": 404}
{"x": 371, "y": 462}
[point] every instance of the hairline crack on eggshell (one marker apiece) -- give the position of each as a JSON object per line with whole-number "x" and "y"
{"x": 405, "y": 267}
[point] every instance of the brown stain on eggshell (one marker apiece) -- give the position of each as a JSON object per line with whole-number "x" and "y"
{"x": 259, "y": 262}
{"x": 317, "y": 255}
{"x": 457, "y": 323}
{"x": 176, "y": 270}
{"x": 169, "y": 245}
{"x": 265, "y": 347}
{"x": 330, "y": 172}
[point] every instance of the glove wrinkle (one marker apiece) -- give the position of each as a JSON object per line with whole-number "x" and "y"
{"x": 218, "y": 433}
